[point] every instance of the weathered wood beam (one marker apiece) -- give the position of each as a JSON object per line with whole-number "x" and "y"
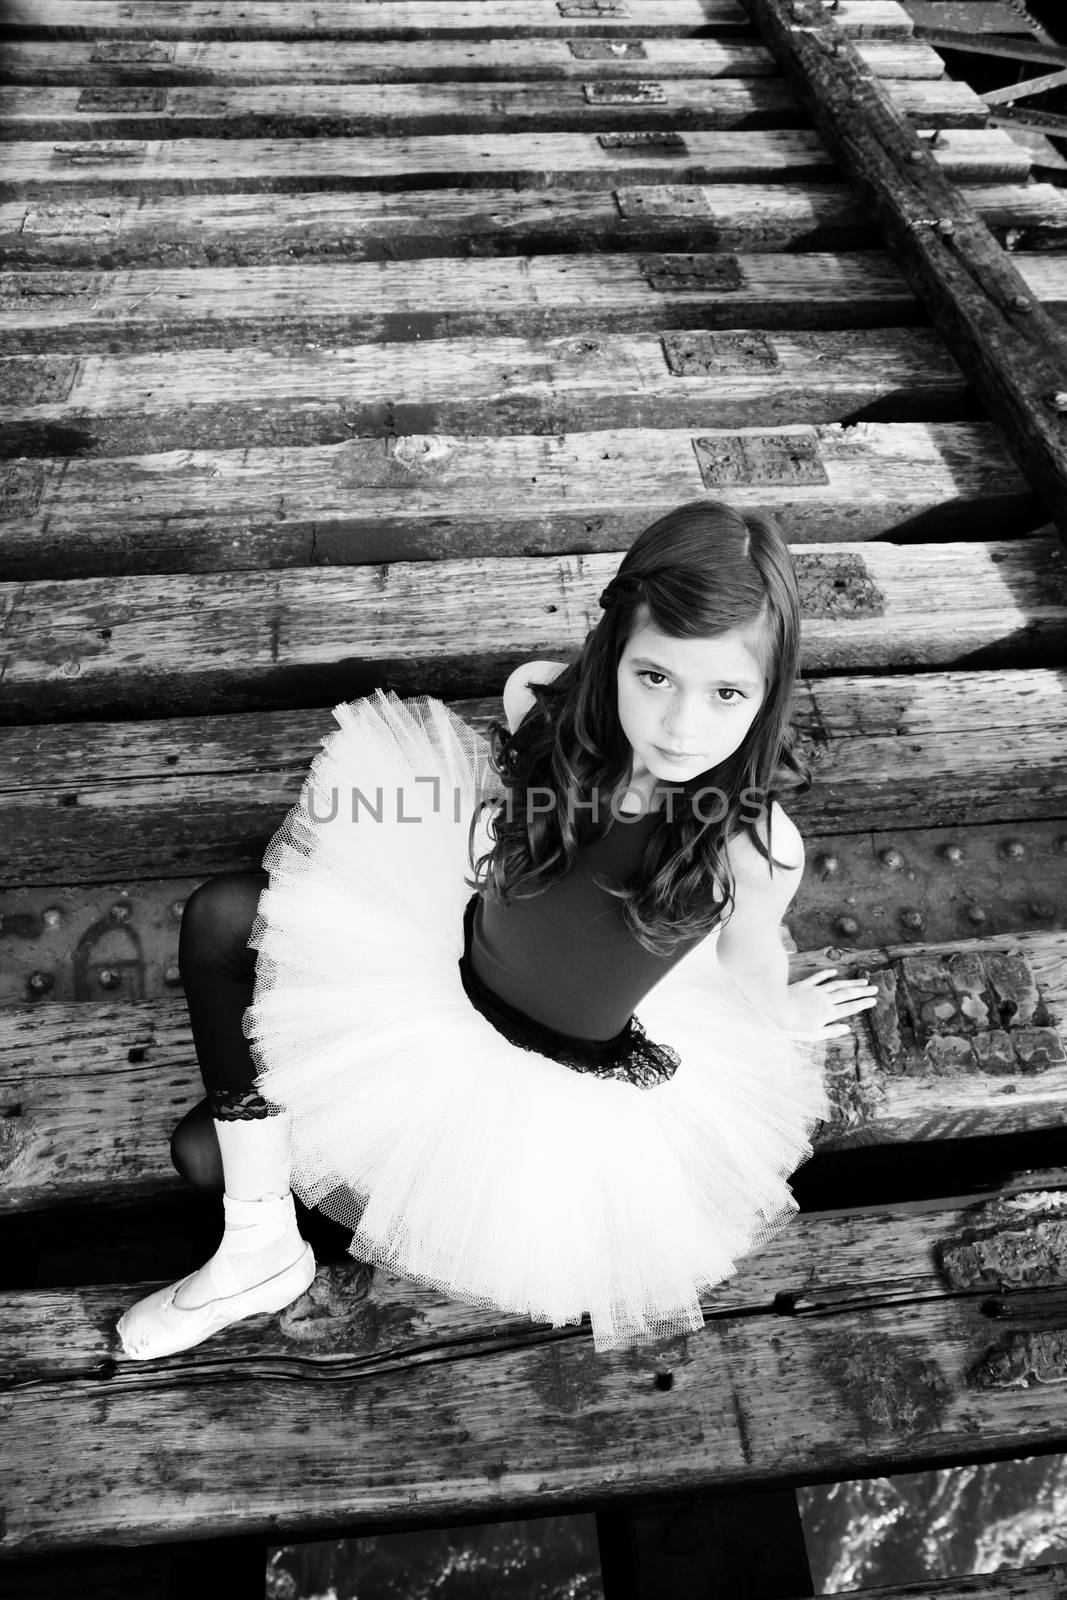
{"x": 881, "y": 1327}
{"x": 429, "y": 109}
{"x": 1013, "y": 353}
{"x": 575, "y": 160}
{"x": 208, "y": 61}
{"x": 190, "y": 231}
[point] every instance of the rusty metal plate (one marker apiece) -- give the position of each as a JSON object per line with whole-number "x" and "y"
{"x": 21, "y": 488}
{"x": 703, "y": 354}
{"x": 46, "y": 288}
{"x": 607, "y": 50}
{"x": 935, "y": 884}
{"x": 836, "y": 584}
{"x": 36, "y": 380}
{"x": 70, "y": 219}
{"x": 91, "y": 943}
{"x": 661, "y": 200}
{"x": 655, "y": 141}
{"x": 100, "y": 152}
{"x": 592, "y": 8}
{"x": 624, "y": 92}
{"x": 743, "y": 459}
{"x": 962, "y": 1013}
{"x": 677, "y": 274}
{"x": 109, "y": 98}
{"x": 132, "y": 51}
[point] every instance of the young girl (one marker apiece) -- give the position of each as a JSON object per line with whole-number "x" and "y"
{"x": 460, "y": 1078}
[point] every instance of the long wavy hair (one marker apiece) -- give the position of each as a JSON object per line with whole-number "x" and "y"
{"x": 702, "y": 570}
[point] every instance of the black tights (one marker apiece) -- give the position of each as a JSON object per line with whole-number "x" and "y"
{"x": 218, "y": 969}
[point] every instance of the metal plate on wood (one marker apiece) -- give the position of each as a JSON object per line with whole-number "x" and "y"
{"x": 99, "y": 153}
{"x": 44, "y": 289}
{"x": 662, "y": 141}
{"x": 699, "y": 353}
{"x": 70, "y": 219}
{"x": 608, "y": 50}
{"x": 592, "y": 8}
{"x": 21, "y": 488}
{"x": 962, "y": 1013}
{"x": 744, "y": 459}
{"x": 36, "y": 380}
{"x": 625, "y": 92}
{"x": 107, "y": 97}
{"x": 717, "y": 274}
{"x": 836, "y": 584}
{"x": 132, "y": 51}
{"x": 662, "y": 200}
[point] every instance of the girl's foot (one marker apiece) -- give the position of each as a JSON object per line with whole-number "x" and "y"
{"x": 262, "y": 1264}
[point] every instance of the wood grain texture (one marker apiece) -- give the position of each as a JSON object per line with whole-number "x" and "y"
{"x": 534, "y": 160}
{"x": 396, "y": 109}
{"x": 410, "y": 19}
{"x": 258, "y": 639}
{"x": 258, "y": 229}
{"x": 434, "y": 497}
{"x": 556, "y": 294}
{"x": 306, "y": 60}
{"x": 372, "y": 1405}
{"x": 137, "y": 405}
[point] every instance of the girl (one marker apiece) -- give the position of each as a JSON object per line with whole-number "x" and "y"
{"x": 460, "y": 1078}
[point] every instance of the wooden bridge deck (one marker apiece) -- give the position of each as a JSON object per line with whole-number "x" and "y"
{"x": 317, "y": 322}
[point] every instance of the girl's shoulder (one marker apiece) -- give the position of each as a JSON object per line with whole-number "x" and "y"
{"x": 517, "y": 697}
{"x": 782, "y": 839}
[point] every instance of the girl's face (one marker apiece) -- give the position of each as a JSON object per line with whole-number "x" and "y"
{"x": 696, "y": 697}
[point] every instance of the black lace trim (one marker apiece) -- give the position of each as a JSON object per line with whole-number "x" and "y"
{"x": 240, "y": 1105}
{"x": 631, "y": 1056}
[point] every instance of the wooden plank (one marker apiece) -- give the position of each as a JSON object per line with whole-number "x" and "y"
{"x": 221, "y": 641}
{"x": 307, "y": 60}
{"x": 70, "y": 311}
{"x": 413, "y": 19}
{"x": 429, "y": 497}
{"x": 890, "y": 1359}
{"x": 137, "y": 405}
{"x": 1011, "y": 350}
{"x": 89, "y": 802}
{"x": 410, "y": 109}
{"x": 540, "y": 160}
{"x": 251, "y": 229}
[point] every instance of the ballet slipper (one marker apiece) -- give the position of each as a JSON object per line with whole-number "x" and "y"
{"x": 156, "y": 1327}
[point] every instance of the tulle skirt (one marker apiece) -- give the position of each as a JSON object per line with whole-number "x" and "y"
{"x": 462, "y": 1159}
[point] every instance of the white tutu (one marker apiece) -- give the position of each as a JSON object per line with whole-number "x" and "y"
{"x": 491, "y": 1172}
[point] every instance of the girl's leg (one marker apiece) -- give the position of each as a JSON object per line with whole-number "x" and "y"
{"x": 262, "y": 1263}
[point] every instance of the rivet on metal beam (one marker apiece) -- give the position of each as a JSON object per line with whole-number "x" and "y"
{"x": 1014, "y": 850}
{"x": 914, "y": 156}
{"x": 176, "y": 909}
{"x": 53, "y": 916}
{"x": 172, "y": 977}
{"x": 109, "y": 978}
{"x": 913, "y": 920}
{"x": 827, "y": 865}
{"x": 892, "y": 859}
{"x": 975, "y": 914}
{"x": 119, "y": 912}
{"x": 40, "y": 982}
{"x": 1020, "y": 303}
{"x": 1057, "y": 400}
{"x": 953, "y": 853}
{"x": 848, "y": 927}
{"x": 946, "y": 226}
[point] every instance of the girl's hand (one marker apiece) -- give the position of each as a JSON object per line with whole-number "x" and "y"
{"x": 816, "y": 1007}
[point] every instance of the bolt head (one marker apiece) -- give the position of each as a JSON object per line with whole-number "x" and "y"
{"x": 40, "y": 982}
{"x": 172, "y": 977}
{"x": 847, "y": 927}
{"x": 120, "y": 911}
{"x": 53, "y": 916}
{"x": 975, "y": 914}
{"x": 1014, "y": 850}
{"x": 176, "y": 909}
{"x": 892, "y": 859}
{"x": 913, "y": 919}
{"x": 828, "y": 865}
{"x": 946, "y": 226}
{"x": 953, "y": 853}
{"x": 109, "y": 978}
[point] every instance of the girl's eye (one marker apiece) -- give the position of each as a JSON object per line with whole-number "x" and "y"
{"x": 649, "y": 672}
